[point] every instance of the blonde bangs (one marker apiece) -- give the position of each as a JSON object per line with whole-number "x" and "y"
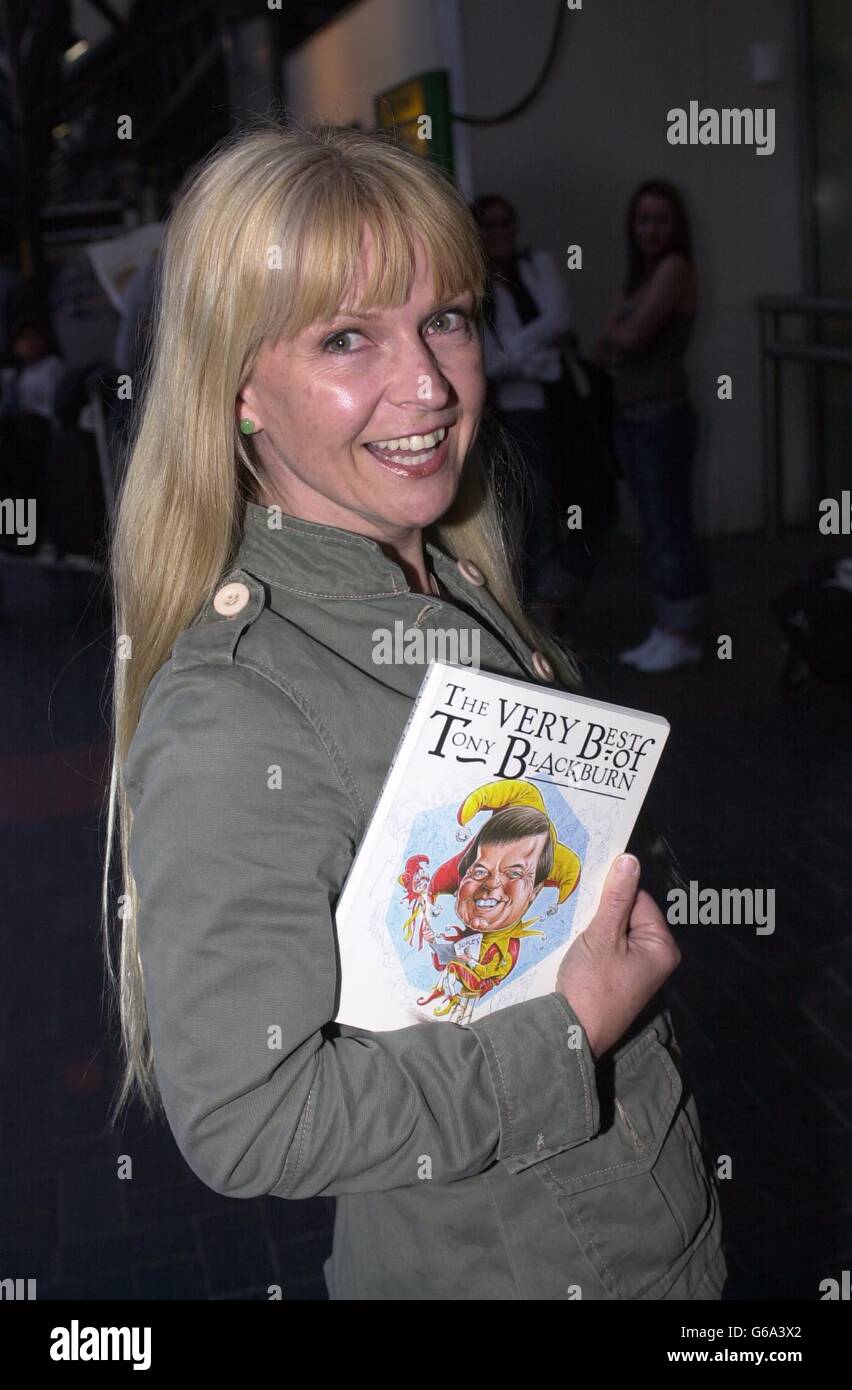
{"x": 321, "y": 256}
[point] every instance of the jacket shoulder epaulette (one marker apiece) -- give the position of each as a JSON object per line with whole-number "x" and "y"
{"x": 213, "y": 637}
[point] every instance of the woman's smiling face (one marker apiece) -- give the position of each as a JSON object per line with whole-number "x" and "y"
{"x": 324, "y": 400}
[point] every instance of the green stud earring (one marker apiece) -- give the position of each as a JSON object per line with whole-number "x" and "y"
{"x": 247, "y": 426}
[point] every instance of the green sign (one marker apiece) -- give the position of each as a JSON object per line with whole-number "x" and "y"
{"x": 419, "y": 113}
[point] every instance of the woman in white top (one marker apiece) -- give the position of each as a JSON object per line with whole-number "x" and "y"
{"x": 42, "y": 369}
{"x": 527, "y": 316}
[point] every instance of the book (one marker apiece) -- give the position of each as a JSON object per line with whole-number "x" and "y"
{"x": 499, "y": 817}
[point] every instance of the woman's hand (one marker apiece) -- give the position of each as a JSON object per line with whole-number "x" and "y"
{"x": 619, "y": 962}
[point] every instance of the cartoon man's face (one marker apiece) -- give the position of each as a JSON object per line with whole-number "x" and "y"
{"x": 499, "y": 885}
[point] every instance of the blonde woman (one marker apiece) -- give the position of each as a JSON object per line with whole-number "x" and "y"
{"x": 307, "y": 468}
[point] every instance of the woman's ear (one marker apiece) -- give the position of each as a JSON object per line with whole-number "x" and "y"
{"x": 246, "y": 409}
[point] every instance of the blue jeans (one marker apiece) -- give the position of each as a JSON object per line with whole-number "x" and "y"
{"x": 656, "y": 456}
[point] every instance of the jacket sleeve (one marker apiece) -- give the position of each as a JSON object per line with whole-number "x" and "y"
{"x": 241, "y": 837}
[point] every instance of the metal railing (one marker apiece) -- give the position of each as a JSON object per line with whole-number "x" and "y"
{"x": 775, "y": 350}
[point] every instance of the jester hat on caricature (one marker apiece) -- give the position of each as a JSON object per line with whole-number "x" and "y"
{"x": 497, "y": 796}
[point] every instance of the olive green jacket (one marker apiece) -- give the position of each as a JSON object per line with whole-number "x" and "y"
{"x": 497, "y": 1160}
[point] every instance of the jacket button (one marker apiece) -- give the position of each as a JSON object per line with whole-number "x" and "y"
{"x": 472, "y": 573}
{"x": 231, "y": 599}
{"x": 542, "y": 666}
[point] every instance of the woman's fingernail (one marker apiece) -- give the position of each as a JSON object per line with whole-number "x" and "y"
{"x": 626, "y": 865}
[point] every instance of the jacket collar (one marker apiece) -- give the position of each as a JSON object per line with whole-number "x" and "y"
{"x": 319, "y": 561}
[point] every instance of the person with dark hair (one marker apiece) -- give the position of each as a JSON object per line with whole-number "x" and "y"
{"x": 35, "y": 346}
{"x": 526, "y": 315}
{"x": 655, "y": 429}
{"x": 28, "y": 411}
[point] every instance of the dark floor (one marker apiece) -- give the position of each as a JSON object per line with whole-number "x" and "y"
{"x": 754, "y": 791}
{"x": 751, "y": 793}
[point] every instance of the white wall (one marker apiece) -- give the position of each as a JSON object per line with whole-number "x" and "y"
{"x": 598, "y": 128}
{"x": 371, "y": 47}
{"x": 375, "y": 46}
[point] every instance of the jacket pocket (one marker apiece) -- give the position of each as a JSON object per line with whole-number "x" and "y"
{"x": 637, "y": 1197}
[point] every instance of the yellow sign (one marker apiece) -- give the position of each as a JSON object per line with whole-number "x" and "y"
{"x": 418, "y": 112}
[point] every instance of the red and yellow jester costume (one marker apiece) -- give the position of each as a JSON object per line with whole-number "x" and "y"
{"x": 501, "y": 948}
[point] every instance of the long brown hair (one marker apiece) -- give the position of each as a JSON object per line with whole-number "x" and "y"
{"x": 681, "y": 229}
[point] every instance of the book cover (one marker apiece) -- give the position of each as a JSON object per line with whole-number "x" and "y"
{"x": 502, "y": 810}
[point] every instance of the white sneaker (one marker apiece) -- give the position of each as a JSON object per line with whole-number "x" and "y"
{"x": 636, "y": 654}
{"x": 670, "y": 652}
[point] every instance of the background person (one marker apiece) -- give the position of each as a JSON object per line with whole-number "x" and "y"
{"x": 655, "y": 428}
{"x": 42, "y": 367}
{"x": 27, "y": 417}
{"x": 527, "y": 317}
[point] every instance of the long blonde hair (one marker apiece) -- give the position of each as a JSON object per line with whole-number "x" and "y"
{"x": 263, "y": 241}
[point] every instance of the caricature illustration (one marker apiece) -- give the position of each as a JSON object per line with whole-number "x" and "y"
{"x": 495, "y": 879}
{"x": 488, "y": 847}
{"x": 415, "y": 881}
